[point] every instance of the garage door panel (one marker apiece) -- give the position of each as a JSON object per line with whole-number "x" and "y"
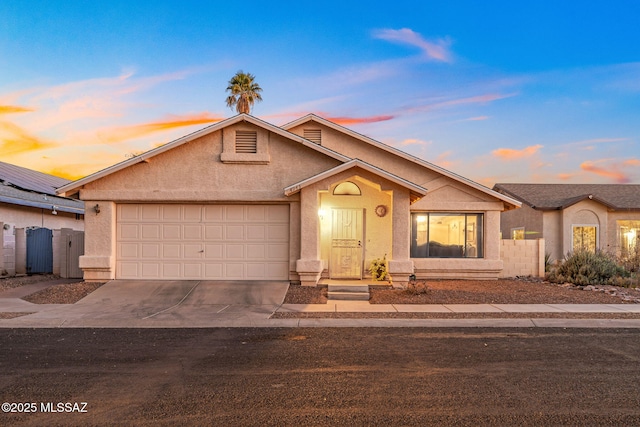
{"x": 237, "y": 242}
{"x": 234, "y": 213}
{"x": 171, "y": 250}
{"x": 151, "y": 250}
{"x": 234, "y": 232}
{"x": 171, "y": 231}
{"x": 256, "y": 251}
{"x": 150, "y": 212}
{"x": 129, "y": 232}
{"x": 192, "y": 232}
{"x": 278, "y": 232}
{"x": 233, "y": 270}
{"x": 234, "y": 251}
{"x": 171, "y": 212}
{"x": 256, "y": 232}
{"x": 192, "y": 270}
{"x": 128, "y": 250}
{"x": 150, "y": 231}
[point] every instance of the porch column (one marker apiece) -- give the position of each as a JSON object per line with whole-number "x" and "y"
{"x": 400, "y": 264}
{"x": 309, "y": 266}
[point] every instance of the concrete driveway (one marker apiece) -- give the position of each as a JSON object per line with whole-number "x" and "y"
{"x": 131, "y": 303}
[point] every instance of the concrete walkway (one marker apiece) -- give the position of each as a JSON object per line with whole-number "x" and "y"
{"x": 205, "y": 304}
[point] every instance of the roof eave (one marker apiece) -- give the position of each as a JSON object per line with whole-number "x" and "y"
{"x": 404, "y": 155}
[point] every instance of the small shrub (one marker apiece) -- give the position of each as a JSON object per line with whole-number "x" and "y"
{"x": 379, "y": 269}
{"x": 417, "y": 287}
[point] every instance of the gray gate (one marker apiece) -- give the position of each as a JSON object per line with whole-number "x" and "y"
{"x": 73, "y": 244}
{"x": 39, "y": 251}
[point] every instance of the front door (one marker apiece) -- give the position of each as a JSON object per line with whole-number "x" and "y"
{"x": 346, "y": 244}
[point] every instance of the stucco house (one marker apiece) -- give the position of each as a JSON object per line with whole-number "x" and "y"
{"x": 28, "y": 199}
{"x": 574, "y": 216}
{"x": 244, "y": 199}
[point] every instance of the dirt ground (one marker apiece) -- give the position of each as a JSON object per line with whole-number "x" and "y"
{"x": 503, "y": 291}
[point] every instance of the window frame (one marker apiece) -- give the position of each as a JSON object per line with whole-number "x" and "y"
{"x": 573, "y": 228}
{"x": 472, "y": 247}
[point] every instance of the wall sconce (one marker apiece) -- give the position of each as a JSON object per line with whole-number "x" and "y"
{"x": 54, "y": 211}
{"x": 6, "y": 227}
{"x": 96, "y": 209}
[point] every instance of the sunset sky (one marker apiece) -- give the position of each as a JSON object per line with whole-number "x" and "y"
{"x": 496, "y": 91}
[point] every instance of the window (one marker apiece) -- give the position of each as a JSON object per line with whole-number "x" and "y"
{"x": 517, "y": 233}
{"x": 585, "y": 237}
{"x": 629, "y": 236}
{"x": 446, "y": 235}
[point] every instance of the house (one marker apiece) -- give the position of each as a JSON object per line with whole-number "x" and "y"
{"x": 574, "y": 216}
{"x": 244, "y": 199}
{"x": 28, "y": 200}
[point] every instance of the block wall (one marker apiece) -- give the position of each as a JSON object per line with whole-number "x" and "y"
{"x": 522, "y": 258}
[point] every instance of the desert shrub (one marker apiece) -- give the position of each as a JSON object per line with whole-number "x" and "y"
{"x": 417, "y": 287}
{"x": 588, "y": 268}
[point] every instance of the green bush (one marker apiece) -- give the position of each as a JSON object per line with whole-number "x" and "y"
{"x": 589, "y": 268}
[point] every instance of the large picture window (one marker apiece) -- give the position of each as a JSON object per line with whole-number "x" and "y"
{"x": 629, "y": 235}
{"x": 446, "y": 235}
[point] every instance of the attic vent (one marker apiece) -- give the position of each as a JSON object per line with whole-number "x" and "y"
{"x": 246, "y": 141}
{"x": 313, "y": 135}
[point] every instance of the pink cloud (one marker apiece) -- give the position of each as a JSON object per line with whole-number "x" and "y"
{"x": 438, "y": 50}
{"x": 512, "y": 154}
{"x": 359, "y": 120}
{"x": 613, "y": 173}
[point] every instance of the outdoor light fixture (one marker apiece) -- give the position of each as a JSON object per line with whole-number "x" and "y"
{"x": 96, "y": 209}
{"x": 54, "y": 211}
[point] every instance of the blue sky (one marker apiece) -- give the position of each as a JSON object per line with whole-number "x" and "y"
{"x": 497, "y": 91}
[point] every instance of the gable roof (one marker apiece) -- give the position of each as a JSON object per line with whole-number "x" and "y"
{"x": 561, "y": 196}
{"x": 73, "y": 186}
{"x": 510, "y": 203}
{"x": 416, "y": 191}
{"x": 26, "y": 187}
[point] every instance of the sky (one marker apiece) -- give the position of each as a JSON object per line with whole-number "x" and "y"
{"x": 496, "y": 91}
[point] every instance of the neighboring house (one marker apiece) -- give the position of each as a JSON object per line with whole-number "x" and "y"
{"x": 244, "y": 199}
{"x": 28, "y": 200}
{"x": 574, "y": 216}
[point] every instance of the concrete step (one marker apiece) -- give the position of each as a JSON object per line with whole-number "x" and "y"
{"x": 348, "y": 296}
{"x": 347, "y": 287}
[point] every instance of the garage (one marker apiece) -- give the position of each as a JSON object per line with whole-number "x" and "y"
{"x": 213, "y": 242}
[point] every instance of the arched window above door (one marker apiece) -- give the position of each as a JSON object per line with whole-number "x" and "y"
{"x": 347, "y": 188}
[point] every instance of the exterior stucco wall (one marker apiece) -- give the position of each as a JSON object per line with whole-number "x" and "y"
{"x": 584, "y": 213}
{"x": 355, "y": 148}
{"x": 552, "y": 231}
{"x": 527, "y": 217}
{"x": 387, "y": 235}
{"x": 194, "y": 172}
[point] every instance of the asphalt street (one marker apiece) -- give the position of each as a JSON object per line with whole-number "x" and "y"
{"x": 320, "y": 376}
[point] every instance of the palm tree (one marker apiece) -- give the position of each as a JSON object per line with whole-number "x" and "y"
{"x": 244, "y": 92}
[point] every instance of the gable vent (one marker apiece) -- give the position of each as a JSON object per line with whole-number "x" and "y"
{"x": 313, "y": 135}
{"x": 246, "y": 141}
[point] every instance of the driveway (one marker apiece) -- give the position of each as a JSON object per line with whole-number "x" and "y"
{"x": 167, "y": 304}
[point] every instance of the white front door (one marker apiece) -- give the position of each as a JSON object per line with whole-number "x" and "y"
{"x": 346, "y": 244}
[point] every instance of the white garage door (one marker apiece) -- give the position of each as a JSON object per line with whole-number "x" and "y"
{"x": 215, "y": 242}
